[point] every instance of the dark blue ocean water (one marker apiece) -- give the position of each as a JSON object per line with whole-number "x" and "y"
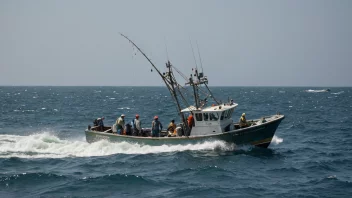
{"x": 43, "y": 152}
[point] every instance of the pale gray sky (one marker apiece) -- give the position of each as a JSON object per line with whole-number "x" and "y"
{"x": 242, "y": 43}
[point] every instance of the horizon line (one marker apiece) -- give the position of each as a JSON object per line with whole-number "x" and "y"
{"x": 164, "y": 86}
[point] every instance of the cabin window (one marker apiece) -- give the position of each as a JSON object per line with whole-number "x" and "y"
{"x": 206, "y": 117}
{"x": 199, "y": 117}
{"x": 214, "y": 116}
{"x": 228, "y": 114}
{"x": 222, "y": 115}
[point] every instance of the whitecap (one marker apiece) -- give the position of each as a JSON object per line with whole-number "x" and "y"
{"x": 332, "y": 177}
{"x": 124, "y": 108}
{"x": 338, "y": 93}
{"x": 316, "y": 90}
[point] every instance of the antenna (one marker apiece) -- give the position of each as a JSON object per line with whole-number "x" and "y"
{"x": 195, "y": 61}
{"x": 201, "y": 64}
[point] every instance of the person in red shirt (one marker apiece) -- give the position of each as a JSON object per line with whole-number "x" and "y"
{"x": 190, "y": 121}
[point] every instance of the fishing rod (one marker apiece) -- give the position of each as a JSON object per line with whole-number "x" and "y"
{"x": 168, "y": 82}
{"x": 144, "y": 56}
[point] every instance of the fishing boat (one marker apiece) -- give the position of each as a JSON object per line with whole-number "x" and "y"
{"x": 211, "y": 122}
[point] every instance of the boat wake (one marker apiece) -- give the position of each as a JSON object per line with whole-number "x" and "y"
{"x": 46, "y": 145}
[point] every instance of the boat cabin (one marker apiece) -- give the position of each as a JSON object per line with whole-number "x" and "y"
{"x": 213, "y": 119}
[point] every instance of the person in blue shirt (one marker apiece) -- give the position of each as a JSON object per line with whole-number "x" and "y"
{"x": 156, "y": 127}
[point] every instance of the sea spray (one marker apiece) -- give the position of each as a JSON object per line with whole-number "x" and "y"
{"x": 276, "y": 140}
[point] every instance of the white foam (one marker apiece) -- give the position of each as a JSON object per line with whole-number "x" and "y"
{"x": 124, "y": 108}
{"x": 338, "y": 93}
{"x": 276, "y": 140}
{"x": 316, "y": 90}
{"x": 47, "y": 145}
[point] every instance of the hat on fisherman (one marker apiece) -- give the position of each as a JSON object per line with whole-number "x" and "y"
{"x": 156, "y": 117}
{"x": 243, "y": 114}
{"x": 122, "y": 115}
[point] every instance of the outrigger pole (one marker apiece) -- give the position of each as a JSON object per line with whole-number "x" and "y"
{"x": 168, "y": 82}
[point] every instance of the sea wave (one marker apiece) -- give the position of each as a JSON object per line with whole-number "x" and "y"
{"x": 47, "y": 145}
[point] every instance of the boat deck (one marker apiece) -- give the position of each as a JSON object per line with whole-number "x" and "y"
{"x": 146, "y": 132}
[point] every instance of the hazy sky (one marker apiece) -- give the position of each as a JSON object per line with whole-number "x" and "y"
{"x": 242, "y": 43}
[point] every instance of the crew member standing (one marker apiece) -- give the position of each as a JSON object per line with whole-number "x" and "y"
{"x": 120, "y": 124}
{"x": 137, "y": 126}
{"x": 156, "y": 127}
{"x": 190, "y": 121}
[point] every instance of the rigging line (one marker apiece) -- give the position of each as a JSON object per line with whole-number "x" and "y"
{"x": 203, "y": 91}
{"x": 180, "y": 86}
{"x": 211, "y": 94}
{"x": 182, "y": 97}
{"x": 201, "y": 64}
{"x": 194, "y": 57}
{"x": 179, "y": 72}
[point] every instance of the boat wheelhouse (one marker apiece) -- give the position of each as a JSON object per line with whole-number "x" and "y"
{"x": 212, "y": 120}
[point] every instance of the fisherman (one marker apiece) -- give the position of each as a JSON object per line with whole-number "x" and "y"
{"x": 156, "y": 127}
{"x": 231, "y": 102}
{"x": 136, "y": 123}
{"x": 190, "y": 121}
{"x": 101, "y": 124}
{"x": 172, "y": 128}
{"x": 243, "y": 121}
{"x": 120, "y": 123}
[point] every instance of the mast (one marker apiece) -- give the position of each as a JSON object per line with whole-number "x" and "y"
{"x": 173, "y": 93}
{"x": 168, "y": 80}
